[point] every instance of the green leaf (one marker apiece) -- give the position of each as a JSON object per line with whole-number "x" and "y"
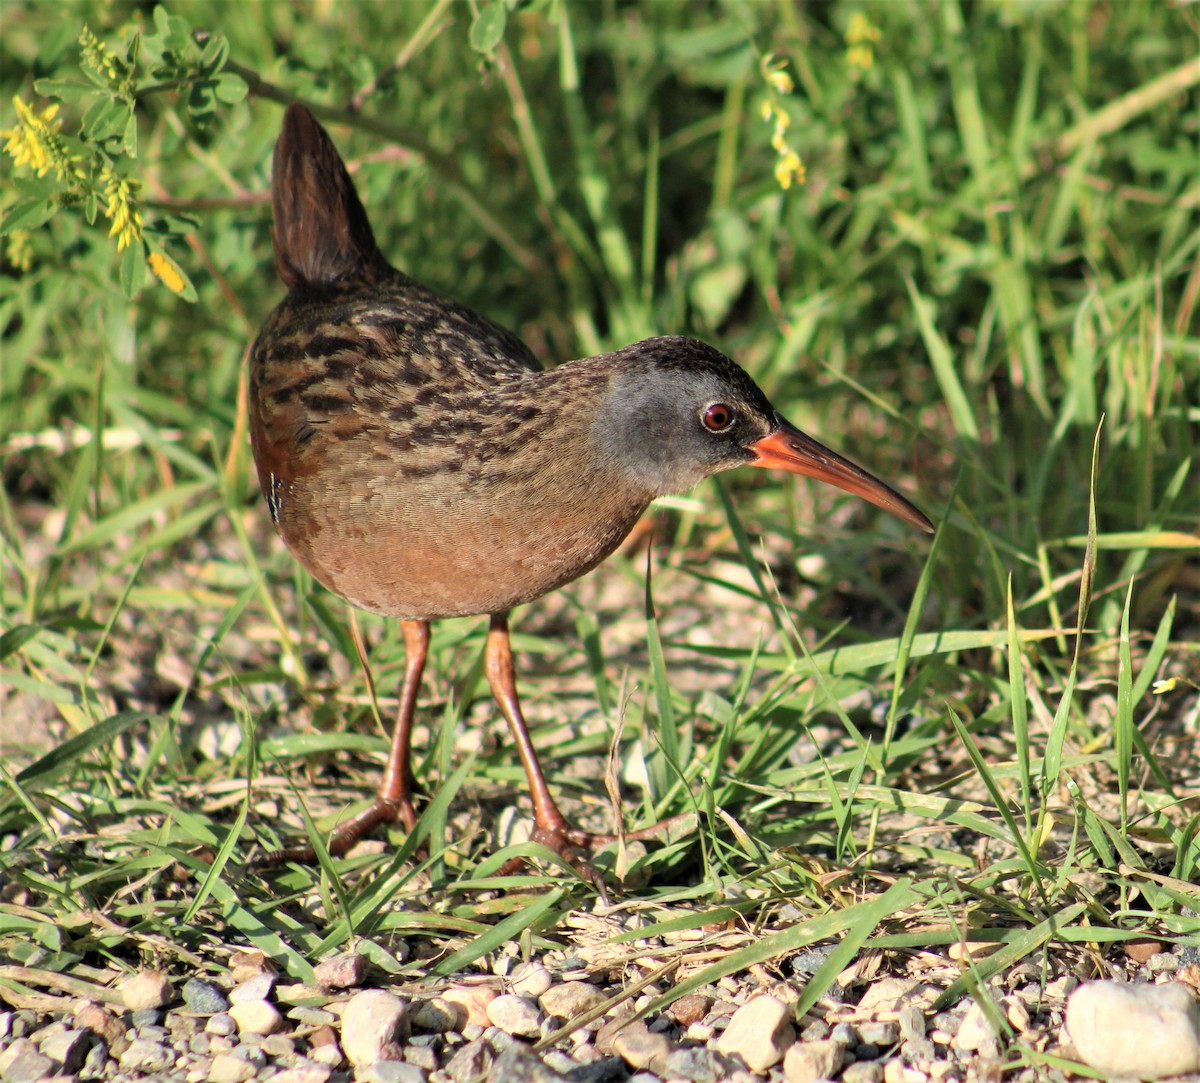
{"x": 488, "y": 28}
{"x": 28, "y": 215}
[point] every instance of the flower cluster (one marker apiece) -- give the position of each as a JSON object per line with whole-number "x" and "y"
{"x": 96, "y": 57}
{"x": 789, "y": 168}
{"x": 861, "y": 36}
{"x": 36, "y": 142}
{"x": 120, "y": 194}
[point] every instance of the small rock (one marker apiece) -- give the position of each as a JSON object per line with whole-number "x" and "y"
{"x": 246, "y": 964}
{"x": 306, "y": 1071}
{"x": 1163, "y": 962}
{"x": 474, "y": 998}
{"x": 896, "y": 1071}
{"x": 879, "y": 1033}
{"x": 102, "y": 1022}
{"x": 1109, "y": 1022}
{"x": 1142, "y": 949}
{"x": 571, "y": 999}
{"x": 390, "y": 1071}
{"x": 229, "y": 1068}
{"x": 531, "y": 979}
{"x": 975, "y": 1032}
{"x": 760, "y": 1032}
{"x": 470, "y": 1062}
{"x": 845, "y": 1034}
{"x": 256, "y": 1017}
{"x": 696, "y": 1064}
{"x": 345, "y": 971}
{"x": 867, "y": 1071}
{"x": 806, "y": 1062}
{"x": 438, "y": 1015}
{"x": 146, "y": 1019}
{"x": 146, "y": 989}
{"x": 327, "y": 1052}
{"x": 518, "y": 1065}
{"x": 222, "y": 1024}
{"x": 371, "y": 1026}
{"x": 515, "y": 1015}
{"x": 204, "y": 997}
{"x": 66, "y": 1049}
{"x": 893, "y": 994}
{"x": 146, "y": 1056}
{"x": 690, "y": 1009}
{"x": 638, "y": 1047}
{"x": 278, "y": 1045}
{"x": 22, "y": 1063}
{"x": 256, "y": 988}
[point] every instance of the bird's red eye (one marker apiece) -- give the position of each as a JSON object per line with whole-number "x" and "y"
{"x": 717, "y": 417}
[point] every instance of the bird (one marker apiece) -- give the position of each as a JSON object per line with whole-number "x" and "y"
{"x": 420, "y": 463}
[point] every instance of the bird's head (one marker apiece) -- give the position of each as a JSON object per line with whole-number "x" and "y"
{"x": 677, "y": 411}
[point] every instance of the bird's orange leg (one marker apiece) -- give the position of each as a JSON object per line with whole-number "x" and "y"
{"x": 551, "y": 827}
{"x": 394, "y": 800}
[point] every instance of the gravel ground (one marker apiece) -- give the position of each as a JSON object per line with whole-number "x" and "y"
{"x": 565, "y": 1017}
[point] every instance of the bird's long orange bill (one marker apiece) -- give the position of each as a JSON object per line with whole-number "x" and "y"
{"x": 787, "y": 448}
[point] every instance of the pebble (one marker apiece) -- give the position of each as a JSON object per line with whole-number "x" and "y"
{"x": 518, "y": 1065}
{"x": 258, "y": 987}
{"x": 311, "y": 1017}
{"x": 345, "y": 971}
{"x": 760, "y": 1032}
{"x": 1108, "y": 1023}
{"x": 307, "y": 1071}
{"x": 222, "y": 1025}
{"x": 845, "y": 1034}
{"x": 516, "y": 1015}
{"x": 639, "y": 1047}
{"x": 22, "y": 1063}
{"x": 571, "y": 999}
{"x": 256, "y": 1017}
{"x": 146, "y": 989}
{"x": 390, "y": 1071}
{"x": 696, "y": 1064}
{"x": 66, "y": 1049}
{"x": 896, "y": 1071}
{"x": 893, "y": 994}
{"x": 690, "y": 1009}
{"x": 230, "y": 1068}
{"x": 371, "y": 1026}
{"x": 880, "y": 1033}
{"x": 204, "y": 997}
{"x": 531, "y": 979}
{"x": 807, "y": 1062}
{"x": 439, "y": 1015}
{"x": 474, "y": 998}
{"x": 146, "y": 1056}
{"x": 866, "y": 1071}
{"x": 975, "y": 1032}
{"x": 469, "y": 1062}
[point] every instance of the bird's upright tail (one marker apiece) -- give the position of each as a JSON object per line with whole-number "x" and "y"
{"x": 322, "y": 235}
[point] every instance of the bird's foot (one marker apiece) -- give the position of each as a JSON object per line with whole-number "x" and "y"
{"x": 573, "y": 844}
{"x": 346, "y": 834}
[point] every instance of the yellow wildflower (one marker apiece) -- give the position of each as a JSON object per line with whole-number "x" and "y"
{"x": 167, "y": 271}
{"x": 20, "y": 249}
{"x": 780, "y": 81}
{"x": 121, "y": 208}
{"x": 861, "y": 36}
{"x": 34, "y": 141}
{"x": 789, "y": 170}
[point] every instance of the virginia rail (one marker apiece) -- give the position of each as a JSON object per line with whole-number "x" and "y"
{"x": 419, "y": 463}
